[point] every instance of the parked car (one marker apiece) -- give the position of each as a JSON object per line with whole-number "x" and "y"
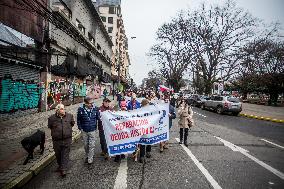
{"x": 193, "y": 99}
{"x": 201, "y": 100}
{"x": 222, "y": 104}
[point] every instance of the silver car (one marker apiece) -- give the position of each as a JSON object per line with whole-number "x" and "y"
{"x": 222, "y": 104}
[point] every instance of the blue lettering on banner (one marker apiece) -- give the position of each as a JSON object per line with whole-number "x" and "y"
{"x": 154, "y": 140}
{"x": 123, "y": 148}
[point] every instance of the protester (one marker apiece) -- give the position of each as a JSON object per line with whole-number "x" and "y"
{"x": 87, "y": 118}
{"x": 61, "y": 124}
{"x": 133, "y": 104}
{"x": 119, "y": 97}
{"x": 105, "y": 106}
{"x": 144, "y": 148}
{"x": 123, "y": 107}
{"x": 185, "y": 121}
{"x": 105, "y": 93}
{"x": 172, "y": 115}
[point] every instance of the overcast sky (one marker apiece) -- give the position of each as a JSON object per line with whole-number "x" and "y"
{"x": 142, "y": 18}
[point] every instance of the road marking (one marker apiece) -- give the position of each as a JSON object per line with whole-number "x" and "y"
{"x": 245, "y": 152}
{"x": 121, "y": 178}
{"x": 210, "y": 179}
{"x": 272, "y": 143}
{"x": 199, "y": 114}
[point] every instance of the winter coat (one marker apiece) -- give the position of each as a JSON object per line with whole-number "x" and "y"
{"x": 173, "y": 116}
{"x": 87, "y": 120}
{"x": 185, "y": 116}
{"x": 131, "y": 103}
{"x": 61, "y": 127}
{"x": 102, "y": 109}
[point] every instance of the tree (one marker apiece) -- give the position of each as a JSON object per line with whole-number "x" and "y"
{"x": 153, "y": 80}
{"x": 172, "y": 53}
{"x": 263, "y": 59}
{"x": 215, "y": 35}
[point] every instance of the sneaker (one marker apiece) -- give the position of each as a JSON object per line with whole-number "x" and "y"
{"x": 166, "y": 146}
{"x": 180, "y": 142}
{"x": 161, "y": 150}
{"x": 186, "y": 144}
{"x": 63, "y": 174}
{"x": 142, "y": 160}
{"x": 117, "y": 159}
{"x": 148, "y": 155}
{"x": 103, "y": 154}
{"x": 90, "y": 161}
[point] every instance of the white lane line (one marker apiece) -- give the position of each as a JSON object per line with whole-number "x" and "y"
{"x": 210, "y": 179}
{"x": 272, "y": 143}
{"x": 245, "y": 152}
{"x": 199, "y": 114}
{"x": 121, "y": 178}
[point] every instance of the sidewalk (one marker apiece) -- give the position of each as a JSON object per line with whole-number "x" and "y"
{"x": 268, "y": 113}
{"x": 12, "y": 154}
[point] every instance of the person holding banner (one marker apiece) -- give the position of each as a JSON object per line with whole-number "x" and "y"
{"x": 105, "y": 106}
{"x": 133, "y": 104}
{"x": 144, "y": 149}
{"x": 172, "y": 115}
{"x": 185, "y": 121}
{"x": 87, "y": 117}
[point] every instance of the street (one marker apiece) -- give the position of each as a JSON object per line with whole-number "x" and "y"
{"x": 224, "y": 152}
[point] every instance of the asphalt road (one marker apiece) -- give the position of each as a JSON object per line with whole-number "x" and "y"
{"x": 224, "y": 152}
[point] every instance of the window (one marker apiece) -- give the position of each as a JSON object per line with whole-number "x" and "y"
{"x": 234, "y": 100}
{"x": 80, "y": 26}
{"x": 92, "y": 40}
{"x": 110, "y": 20}
{"x": 103, "y": 18}
{"x": 111, "y": 10}
{"x": 99, "y": 47}
{"x": 60, "y": 6}
{"x": 110, "y": 29}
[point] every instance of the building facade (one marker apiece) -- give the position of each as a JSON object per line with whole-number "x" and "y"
{"x": 70, "y": 58}
{"x": 110, "y": 12}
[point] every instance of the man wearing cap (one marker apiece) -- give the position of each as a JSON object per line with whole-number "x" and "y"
{"x": 61, "y": 124}
{"x": 87, "y": 117}
{"x": 105, "y": 106}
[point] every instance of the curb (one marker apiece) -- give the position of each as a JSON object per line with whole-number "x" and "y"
{"x": 21, "y": 180}
{"x": 262, "y": 118}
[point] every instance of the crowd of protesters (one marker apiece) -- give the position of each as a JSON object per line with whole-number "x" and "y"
{"x": 88, "y": 121}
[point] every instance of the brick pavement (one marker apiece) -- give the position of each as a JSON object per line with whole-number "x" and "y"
{"x": 14, "y": 130}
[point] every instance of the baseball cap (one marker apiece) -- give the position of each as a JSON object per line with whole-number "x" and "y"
{"x": 106, "y": 100}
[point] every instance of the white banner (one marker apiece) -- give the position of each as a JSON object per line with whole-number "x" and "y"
{"x": 124, "y": 130}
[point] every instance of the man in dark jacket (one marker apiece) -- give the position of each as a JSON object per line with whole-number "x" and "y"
{"x": 133, "y": 104}
{"x": 61, "y": 124}
{"x": 106, "y": 106}
{"x": 87, "y": 117}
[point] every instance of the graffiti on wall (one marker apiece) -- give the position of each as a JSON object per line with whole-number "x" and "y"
{"x": 16, "y": 95}
{"x": 23, "y": 95}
